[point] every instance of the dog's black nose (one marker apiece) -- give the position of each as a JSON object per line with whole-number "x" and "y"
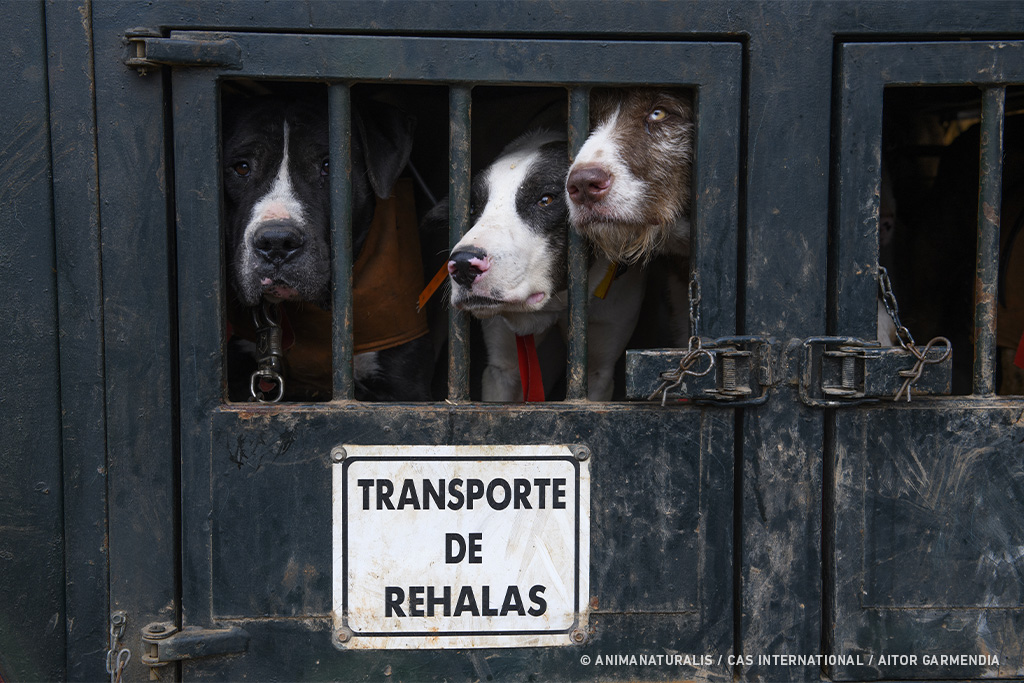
{"x": 588, "y": 184}
{"x": 278, "y": 241}
{"x": 466, "y": 265}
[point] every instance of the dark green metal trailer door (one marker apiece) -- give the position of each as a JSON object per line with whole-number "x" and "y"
{"x": 256, "y": 480}
{"x": 925, "y": 515}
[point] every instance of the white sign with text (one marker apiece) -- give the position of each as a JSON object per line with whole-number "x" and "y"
{"x": 460, "y": 546}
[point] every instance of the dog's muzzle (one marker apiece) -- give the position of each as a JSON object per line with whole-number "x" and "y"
{"x": 278, "y": 242}
{"x": 467, "y": 265}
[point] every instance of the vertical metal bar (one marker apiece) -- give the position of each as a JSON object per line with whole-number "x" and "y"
{"x": 339, "y": 122}
{"x": 459, "y": 168}
{"x": 579, "y": 126}
{"x": 993, "y": 105}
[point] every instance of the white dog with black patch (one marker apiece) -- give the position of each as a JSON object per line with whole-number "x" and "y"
{"x": 510, "y": 268}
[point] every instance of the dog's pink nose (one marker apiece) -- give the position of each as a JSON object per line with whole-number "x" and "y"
{"x": 588, "y": 184}
{"x": 467, "y": 265}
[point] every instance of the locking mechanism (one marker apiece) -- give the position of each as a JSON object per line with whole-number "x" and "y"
{"x": 732, "y": 370}
{"x": 843, "y": 371}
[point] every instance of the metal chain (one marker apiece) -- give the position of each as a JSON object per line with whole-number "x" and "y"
{"x": 906, "y": 339}
{"x": 270, "y": 346}
{"x": 117, "y": 657}
{"x": 889, "y": 299}
{"x": 694, "y": 304}
{"x": 672, "y": 379}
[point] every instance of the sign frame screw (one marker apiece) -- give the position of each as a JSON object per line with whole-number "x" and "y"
{"x": 581, "y": 452}
{"x": 338, "y": 453}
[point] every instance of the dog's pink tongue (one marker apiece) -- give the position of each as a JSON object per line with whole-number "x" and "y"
{"x": 536, "y": 298}
{"x": 279, "y": 291}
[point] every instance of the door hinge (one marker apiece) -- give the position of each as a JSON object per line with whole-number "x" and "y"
{"x": 147, "y": 49}
{"x": 165, "y": 643}
{"x": 845, "y": 371}
{"x": 738, "y": 372}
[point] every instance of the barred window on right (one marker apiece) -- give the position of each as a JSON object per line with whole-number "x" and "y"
{"x": 928, "y": 223}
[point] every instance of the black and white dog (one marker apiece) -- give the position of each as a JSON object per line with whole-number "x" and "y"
{"x": 510, "y": 268}
{"x": 277, "y": 227}
{"x": 629, "y": 187}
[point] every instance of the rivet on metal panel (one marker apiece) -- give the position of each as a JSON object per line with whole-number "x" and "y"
{"x": 581, "y": 452}
{"x": 578, "y": 636}
{"x": 338, "y": 453}
{"x": 343, "y": 634}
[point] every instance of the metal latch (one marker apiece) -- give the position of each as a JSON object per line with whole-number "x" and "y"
{"x": 164, "y": 644}
{"x": 844, "y": 371}
{"x": 738, "y": 372}
{"x": 148, "y": 48}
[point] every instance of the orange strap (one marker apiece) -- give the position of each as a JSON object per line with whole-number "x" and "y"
{"x": 432, "y": 286}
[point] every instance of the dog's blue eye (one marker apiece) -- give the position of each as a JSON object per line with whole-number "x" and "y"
{"x": 325, "y": 167}
{"x": 545, "y": 200}
{"x": 241, "y": 168}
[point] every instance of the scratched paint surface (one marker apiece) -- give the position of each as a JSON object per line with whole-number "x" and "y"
{"x": 930, "y": 537}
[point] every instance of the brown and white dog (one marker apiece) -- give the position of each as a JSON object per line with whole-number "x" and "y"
{"x": 629, "y": 187}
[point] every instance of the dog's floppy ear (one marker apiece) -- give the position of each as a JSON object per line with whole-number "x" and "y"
{"x": 386, "y": 134}
{"x": 436, "y": 220}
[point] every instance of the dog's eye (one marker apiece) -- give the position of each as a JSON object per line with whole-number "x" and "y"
{"x": 545, "y": 200}
{"x": 325, "y": 167}
{"x": 241, "y": 168}
{"x": 657, "y": 115}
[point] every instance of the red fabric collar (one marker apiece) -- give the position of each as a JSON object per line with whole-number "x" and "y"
{"x": 529, "y": 369}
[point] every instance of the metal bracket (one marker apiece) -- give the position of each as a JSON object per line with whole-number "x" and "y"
{"x": 147, "y": 49}
{"x": 845, "y": 371}
{"x": 741, "y": 375}
{"x": 164, "y": 644}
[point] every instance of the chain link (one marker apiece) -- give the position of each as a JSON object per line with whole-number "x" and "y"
{"x": 270, "y": 346}
{"x": 117, "y": 657}
{"x": 672, "y": 379}
{"x": 906, "y": 339}
{"x": 694, "y": 305}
